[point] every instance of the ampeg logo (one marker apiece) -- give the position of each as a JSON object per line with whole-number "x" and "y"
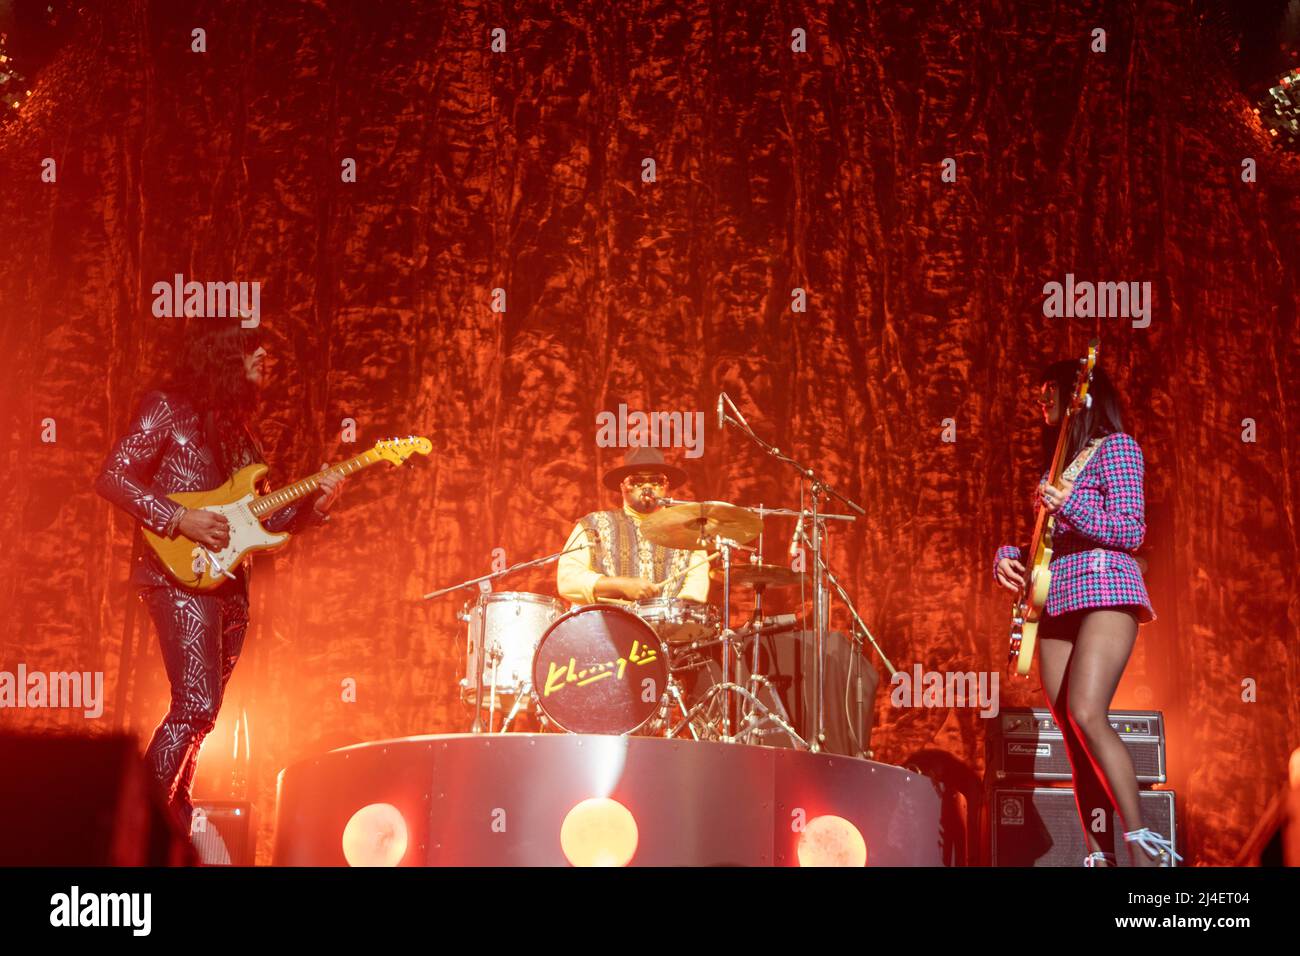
{"x": 1030, "y": 750}
{"x": 1011, "y": 810}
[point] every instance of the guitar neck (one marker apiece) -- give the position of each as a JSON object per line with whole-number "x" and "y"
{"x": 267, "y": 504}
{"x": 1044, "y": 521}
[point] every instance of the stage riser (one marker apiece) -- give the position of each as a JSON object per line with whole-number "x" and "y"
{"x": 501, "y": 801}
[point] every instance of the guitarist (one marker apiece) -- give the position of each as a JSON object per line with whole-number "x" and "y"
{"x": 192, "y": 435}
{"x": 1095, "y": 602}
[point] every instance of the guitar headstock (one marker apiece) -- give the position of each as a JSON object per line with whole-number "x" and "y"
{"x": 397, "y": 450}
{"x": 1083, "y": 381}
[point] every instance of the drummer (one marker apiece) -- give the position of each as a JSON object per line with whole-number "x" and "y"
{"x": 614, "y": 560}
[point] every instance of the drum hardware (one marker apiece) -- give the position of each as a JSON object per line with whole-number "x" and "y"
{"x": 726, "y": 688}
{"x": 819, "y": 489}
{"x": 477, "y": 635}
{"x": 522, "y": 700}
{"x": 859, "y": 627}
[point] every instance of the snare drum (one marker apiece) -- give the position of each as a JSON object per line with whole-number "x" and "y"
{"x": 677, "y": 621}
{"x": 514, "y": 624}
{"x": 600, "y": 669}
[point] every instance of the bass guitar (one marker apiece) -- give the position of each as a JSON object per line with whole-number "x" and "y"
{"x": 1032, "y": 597}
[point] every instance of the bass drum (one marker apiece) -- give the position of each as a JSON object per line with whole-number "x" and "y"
{"x": 600, "y": 669}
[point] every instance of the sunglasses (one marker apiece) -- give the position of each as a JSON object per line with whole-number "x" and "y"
{"x": 656, "y": 480}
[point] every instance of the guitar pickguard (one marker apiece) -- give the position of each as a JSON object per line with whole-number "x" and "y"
{"x": 246, "y": 535}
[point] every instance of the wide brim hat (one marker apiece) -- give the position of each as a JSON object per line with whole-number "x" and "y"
{"x": 640, "y": 459}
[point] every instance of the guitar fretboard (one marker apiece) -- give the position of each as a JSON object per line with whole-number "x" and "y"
{"x": 287, "y": 495}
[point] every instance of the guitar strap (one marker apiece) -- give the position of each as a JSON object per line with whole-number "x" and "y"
{"x": 1080, "y": 460}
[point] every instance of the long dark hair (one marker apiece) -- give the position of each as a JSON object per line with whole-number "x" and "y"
{"x": 1103, "y": 417}
{"x": 209, "y": 372}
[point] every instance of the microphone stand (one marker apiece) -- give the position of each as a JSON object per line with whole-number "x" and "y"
{"x": 819, "y": 489}
{"x": 484, "y": 583}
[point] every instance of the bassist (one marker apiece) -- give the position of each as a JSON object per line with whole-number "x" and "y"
{"x": 1095, "y": 602}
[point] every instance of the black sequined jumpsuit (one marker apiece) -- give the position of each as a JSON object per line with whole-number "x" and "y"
{"x": 200, "y": 633}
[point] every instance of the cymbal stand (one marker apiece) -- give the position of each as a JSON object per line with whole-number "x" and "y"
{"x": 727, "y": 688}
{"x": 820, "y": 619}
{"x": 860, "y": 629}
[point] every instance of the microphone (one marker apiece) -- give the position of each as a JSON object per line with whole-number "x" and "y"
{"x": 776, "y": 623}
{"x": 794, "y": 538}
{"x": 722, "y": 416}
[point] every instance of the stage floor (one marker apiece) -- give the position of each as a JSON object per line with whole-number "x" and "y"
{"x": 557, "y": 799}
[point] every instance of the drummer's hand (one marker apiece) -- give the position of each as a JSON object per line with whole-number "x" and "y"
{"x": 634, "y": 589}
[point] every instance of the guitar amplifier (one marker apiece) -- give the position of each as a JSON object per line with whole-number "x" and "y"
{"x": 1040, "y": 826}
{"x": 222, "y": 832}
{"x": 1025, "y": 744}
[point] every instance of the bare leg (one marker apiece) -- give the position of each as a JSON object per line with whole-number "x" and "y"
{"x": 1054, "y": 659}
{"x": 1101, "y": 651}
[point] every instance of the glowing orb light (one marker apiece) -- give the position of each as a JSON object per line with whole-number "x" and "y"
{"x": 599, "y": 832}
{"x": 831, "y": 841}
{"x": 375, "y": 836}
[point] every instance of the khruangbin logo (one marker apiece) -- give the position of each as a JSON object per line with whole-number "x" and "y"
{"x": 79, "y": 689}
{"x": 75, "y": 908}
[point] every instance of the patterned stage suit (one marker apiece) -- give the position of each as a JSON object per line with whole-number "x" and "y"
{"x": 1097, "y": 529}
{"x": 200, "y": 633}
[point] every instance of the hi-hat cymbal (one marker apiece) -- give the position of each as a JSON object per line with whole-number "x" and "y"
{"x": 695, "y": 525}
{"x": 760, "y": 576}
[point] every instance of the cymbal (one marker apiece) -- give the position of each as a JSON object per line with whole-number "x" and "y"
{"x": 760, "y": 576}
{"x": 695, "y": 525}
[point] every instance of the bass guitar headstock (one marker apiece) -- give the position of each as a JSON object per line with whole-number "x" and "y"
{"x": 1083, "y": 380}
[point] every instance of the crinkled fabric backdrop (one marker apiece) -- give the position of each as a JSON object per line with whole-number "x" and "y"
{"x": 522, "y": 171}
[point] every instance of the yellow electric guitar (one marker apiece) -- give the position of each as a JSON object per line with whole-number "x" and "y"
{"x": 1032, "y": 598}
{"x": 198, "y": 567}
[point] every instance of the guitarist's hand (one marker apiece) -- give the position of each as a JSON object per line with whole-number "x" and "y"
{"x": 1010, "y": 574}
{"x": 207, "y": 528}
{"x": 1053, "y": 497}
{"x": 331, "y": 486}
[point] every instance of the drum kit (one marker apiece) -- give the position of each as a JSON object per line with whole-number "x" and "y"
{"x": 651, "y": 667}
{"x": 620, "y": 668}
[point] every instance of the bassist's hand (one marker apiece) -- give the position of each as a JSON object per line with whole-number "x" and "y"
{"x": 207, "y": 528}
{"x": 1051, "y": 497}
{"x": 1010, "y": 573}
